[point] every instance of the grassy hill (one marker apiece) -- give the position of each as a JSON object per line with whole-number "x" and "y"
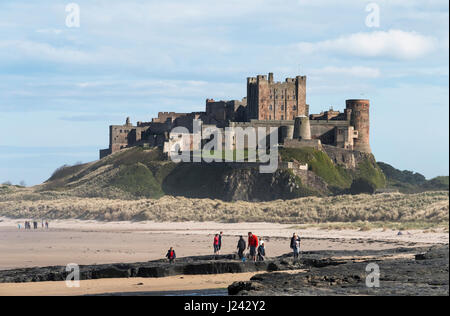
{"x": 144, "y": 173}
{"x": 412, "y": 182}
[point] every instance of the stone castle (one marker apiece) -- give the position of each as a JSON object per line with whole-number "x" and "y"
{"x": 268, "y": 104}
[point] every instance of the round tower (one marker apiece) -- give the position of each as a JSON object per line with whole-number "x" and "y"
{"x": 302, "y": 128}
{"x": 360, "y": 120}
{"x": 286, "y": 132}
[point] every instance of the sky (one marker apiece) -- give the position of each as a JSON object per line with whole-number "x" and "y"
{"x": 62, "y": 86}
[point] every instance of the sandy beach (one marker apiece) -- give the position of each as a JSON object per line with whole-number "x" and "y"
{"x": 130, "y": 285}
{"x": 92, "y": 242}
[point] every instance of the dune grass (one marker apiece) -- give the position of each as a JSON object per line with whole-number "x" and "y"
{"x": 426, "y": 210}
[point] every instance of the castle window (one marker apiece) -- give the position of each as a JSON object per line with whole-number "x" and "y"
{"x": 282, "y": 117}
{"x": 270, "y": 107}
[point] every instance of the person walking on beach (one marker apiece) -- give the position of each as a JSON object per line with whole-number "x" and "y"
{"x": 46, "y": 224}
{"x": 295, "y": 245}
{"x": 241, "y": 247}
{"x": 171, "y": 255}
{"x": 252, "y": 245}
{"x": 261, "y": 251}
{"x": 216, "y": 244}
{"x": 35, "y": 225}
{"x": 220, "y": 241}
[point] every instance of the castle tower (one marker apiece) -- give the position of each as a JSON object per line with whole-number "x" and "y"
{"x": 300, "y": 86}
{"x": 302, "y": 128}
{"x": 286, "y": 132}
{"x": 360, "y": 120}
{"x": 268, "y": 100}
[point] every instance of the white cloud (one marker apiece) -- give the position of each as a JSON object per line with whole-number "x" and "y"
{"x": 49, "y": 31}
{"x": 41, "y": 51}
{"x": 356, "y": 71}
{"x": 392, "y": 44}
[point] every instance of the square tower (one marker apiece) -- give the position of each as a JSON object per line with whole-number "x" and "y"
{"x": 268, "y": 100}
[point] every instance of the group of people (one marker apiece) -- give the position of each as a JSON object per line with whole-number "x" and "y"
{"x": 27, "y": 225}
{"x": 257, "y": 248}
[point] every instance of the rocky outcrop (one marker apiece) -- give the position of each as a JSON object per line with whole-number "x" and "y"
{"x": 344, "y": 157}
{"x": 151, "y": 269}
{"x": 309, "y": 178}
{"x": 203, "y": 265}
{"x": 425, "y": 273}
{"x": 251, "y": 185}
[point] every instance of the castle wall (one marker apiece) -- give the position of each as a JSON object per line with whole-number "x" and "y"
{"x": 224, "y": 111}
{"x": 118, "y": 137}
{"x": 164, "y": 116}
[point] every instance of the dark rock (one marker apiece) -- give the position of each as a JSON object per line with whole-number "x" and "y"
{"x": 111, "y": 272}
{"x": 427, "y": 275}
{"x": 238, "y": 287}
{"x": 273, "y": 267}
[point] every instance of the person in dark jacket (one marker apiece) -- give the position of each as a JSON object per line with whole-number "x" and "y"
{"x": 171, "y": 255}
{"x": 261, "y": 251}
{"x": 220, "y": 241}
{"x": 241, "y": 247}
{"x": 295, "y": 245}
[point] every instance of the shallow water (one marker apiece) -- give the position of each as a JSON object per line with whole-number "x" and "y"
{"x": 207, "y": 292}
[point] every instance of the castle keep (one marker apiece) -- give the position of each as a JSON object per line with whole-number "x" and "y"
{"x": 268, "y": 104}
{"x": 269, "y": 100}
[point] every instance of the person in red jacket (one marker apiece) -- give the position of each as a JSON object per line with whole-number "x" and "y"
{"x": 171, "y": 255}
{"x": 216, "y": 244}
{"x": 252, "y": 245}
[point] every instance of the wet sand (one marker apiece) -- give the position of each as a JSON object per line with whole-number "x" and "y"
{"x": 123, "y": 286}
{"x": 91, "y": 242}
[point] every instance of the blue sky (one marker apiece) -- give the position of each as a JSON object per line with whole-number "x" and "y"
{"x": 61, "y": 87}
